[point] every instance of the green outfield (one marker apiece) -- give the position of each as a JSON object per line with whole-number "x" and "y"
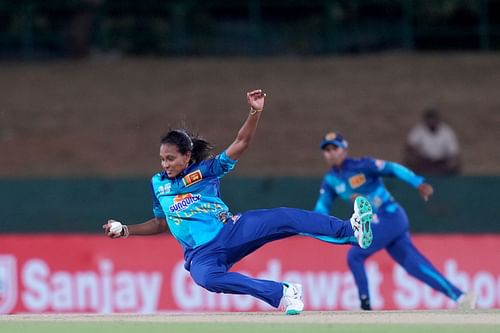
{"x": 308, "y": 322}
{"x": 81, "y": 327}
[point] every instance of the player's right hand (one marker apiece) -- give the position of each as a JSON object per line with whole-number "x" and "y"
{"x": 256, "y": 99}
{"x": 107, "y": 230}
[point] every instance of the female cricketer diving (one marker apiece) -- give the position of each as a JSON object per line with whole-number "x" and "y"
{"x": 186, "y": 198}
{"x": 349, "y": 178}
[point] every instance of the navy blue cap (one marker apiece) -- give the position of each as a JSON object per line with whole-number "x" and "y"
{"x": 332, "y": 138}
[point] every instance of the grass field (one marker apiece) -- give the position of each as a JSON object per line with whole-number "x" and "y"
{"x": 308, "y": 322}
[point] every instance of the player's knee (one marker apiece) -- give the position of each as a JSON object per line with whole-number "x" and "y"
{"x": 355, "y": 257}
{"x": 206, "y": 280}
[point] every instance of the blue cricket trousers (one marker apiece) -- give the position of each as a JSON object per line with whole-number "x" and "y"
{"x": 392, "y": 234}
{"x": 209, "y": 264}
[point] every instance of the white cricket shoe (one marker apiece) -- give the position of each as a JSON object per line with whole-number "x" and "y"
{"x": 467, "y": 301}
{"x": 291, "y": 302}
{"x": 361, "y": 222}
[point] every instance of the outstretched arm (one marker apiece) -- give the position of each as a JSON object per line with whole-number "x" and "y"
{"x": 152, "y": 227}
{"x": 255, "y": 100}
{"x": 387, "y": 168}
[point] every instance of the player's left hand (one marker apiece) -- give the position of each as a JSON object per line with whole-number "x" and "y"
{"x": 255, "y": 99}
{"x": 425, "y": 190}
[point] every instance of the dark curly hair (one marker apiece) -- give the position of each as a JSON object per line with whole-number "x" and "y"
{"x": 200, "y": 149}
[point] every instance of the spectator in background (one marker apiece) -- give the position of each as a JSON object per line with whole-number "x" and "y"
{"x": 432, "y": 147}
{"x": 81, "y": 27}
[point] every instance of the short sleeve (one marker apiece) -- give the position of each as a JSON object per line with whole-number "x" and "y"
{"x": 324, "y": 202}
{"x": 157, "y": 210}
{"x": 221, "y": 165}
{"x": 452, "y": 146}
{"x": 372, "y": 166}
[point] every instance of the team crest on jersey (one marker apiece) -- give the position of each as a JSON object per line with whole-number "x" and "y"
{"x": 192, "y": 178}
{"x": 8, "y": 283}
{"x": 357, "y": 180}
{"x": 183, "y": 201}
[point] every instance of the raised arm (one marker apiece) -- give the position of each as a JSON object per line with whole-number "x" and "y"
{"x": 255, "y": 100}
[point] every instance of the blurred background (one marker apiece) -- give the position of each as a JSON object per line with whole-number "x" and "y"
{"x": 87, "y": 87}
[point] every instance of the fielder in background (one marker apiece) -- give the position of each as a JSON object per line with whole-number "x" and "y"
{"x": 349, "y": 178}
{"x": 186, "y": 199}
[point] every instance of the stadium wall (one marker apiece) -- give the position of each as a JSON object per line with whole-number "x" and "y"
{"x": 464, "y": 204}
{"x": 117, "y": 109}
{"x": 69, "y": 273}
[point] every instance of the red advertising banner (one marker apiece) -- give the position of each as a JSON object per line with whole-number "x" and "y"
{"x": 91, "y": 273}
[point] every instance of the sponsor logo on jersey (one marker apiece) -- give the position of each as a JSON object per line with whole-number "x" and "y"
{"x": 192, "y": 178}
{"x": 340, "y": 188}
{"x": 165, "y": 188}
{"x": 183, "y": 201}
{"x": 357, "y": 180}
{"x": 8, "y": 283}
{"x": 226, "y": 216}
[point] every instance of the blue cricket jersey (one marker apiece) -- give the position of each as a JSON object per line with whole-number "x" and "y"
{"x": 191, "y": 202}
{"x": 363, "y": 177}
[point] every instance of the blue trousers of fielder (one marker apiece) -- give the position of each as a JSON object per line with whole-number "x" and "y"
{"x": 209, "y": 264}
{"x": 392, "y": 234}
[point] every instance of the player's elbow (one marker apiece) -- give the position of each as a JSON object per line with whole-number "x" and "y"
{"x": 243, "y": 143}
{"x": 161, "y": 225}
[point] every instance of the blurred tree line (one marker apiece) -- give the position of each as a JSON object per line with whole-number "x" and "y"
{"x": 79, "y": 28}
